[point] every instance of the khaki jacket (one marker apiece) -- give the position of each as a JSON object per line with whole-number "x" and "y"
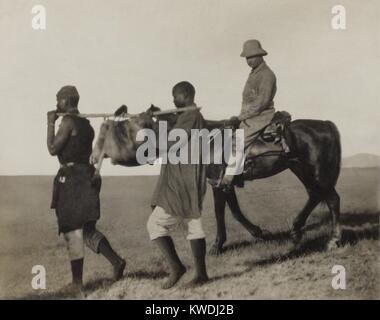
{"x": 257, "y": 104}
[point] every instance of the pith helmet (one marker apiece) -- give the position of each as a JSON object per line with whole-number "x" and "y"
{"x": 252, "y": 48}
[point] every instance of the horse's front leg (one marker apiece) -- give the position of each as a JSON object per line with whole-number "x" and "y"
{"x": 219, "y": 207}
{"x": 233, "y": 203}
{"x": 300, "y": 220}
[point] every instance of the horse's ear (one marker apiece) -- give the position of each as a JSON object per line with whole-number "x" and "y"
{"x": 153, "y": 108}
{"x": 121, "y": 110}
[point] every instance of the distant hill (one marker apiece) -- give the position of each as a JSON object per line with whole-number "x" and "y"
{"x": 361, "y": 160}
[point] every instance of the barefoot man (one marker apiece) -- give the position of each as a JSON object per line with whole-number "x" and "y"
{"x": 75, "y": 193}
{"x": 178, "y": 197}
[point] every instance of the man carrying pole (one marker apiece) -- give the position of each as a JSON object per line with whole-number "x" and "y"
{"x": 178, "y": 197}
{"x": 75, "y": 192}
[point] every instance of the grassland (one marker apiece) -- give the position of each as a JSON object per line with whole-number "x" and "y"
{"x": 246, "y": 270}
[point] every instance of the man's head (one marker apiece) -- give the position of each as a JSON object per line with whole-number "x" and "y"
{"x": 67, "y": 98}
{"x": 254, "y": 61}
{"x": 253, "y": 52}
{"x": 183, "y": 94}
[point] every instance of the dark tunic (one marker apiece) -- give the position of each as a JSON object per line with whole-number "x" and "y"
{"x": 181, "y": 187}
{"x": 75, "y": 197}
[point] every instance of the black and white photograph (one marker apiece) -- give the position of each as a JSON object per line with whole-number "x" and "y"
{"x": 209, "y": 150}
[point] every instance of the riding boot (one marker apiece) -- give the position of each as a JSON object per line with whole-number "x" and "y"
{"x": 177, "y": 269}
{"x": 117, "y": 262}
{"x": 198, "y": 247}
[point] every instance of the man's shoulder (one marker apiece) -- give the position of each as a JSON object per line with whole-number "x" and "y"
{"x": 73, "y": 121}
{"x": 197, "y": 114}
{"x": 191, "y": 113}
{"x": 267, "y": 72}
{"x": 191, "y": 117}
{"x": 67, "y": 121}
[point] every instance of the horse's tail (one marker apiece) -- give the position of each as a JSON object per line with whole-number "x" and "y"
{"x": 334, "y": 156}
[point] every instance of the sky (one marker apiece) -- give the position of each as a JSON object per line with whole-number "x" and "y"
{"x": 133, "y": 52}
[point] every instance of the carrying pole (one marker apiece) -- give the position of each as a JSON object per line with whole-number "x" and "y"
{"x": 127, "y": 115}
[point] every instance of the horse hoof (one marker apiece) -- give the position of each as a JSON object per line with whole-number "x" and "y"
{"x": 215, "y": 250}
{"x": 333, "y": 244}
{"x": 261, "y": 234}
{"x": 296, "y": 236}
{"x": 266, "y": 235}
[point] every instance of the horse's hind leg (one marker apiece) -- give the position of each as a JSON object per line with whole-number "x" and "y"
{"x": 333, "y": 202}
{"x": 233, "y": 203}
{"x": 312, "y": 202}
{"x": 219, "y": 207}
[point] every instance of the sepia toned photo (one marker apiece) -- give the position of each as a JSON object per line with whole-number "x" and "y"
{"x": 209, "y": 150}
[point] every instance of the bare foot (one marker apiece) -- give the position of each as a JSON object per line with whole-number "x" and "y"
{"x": 197, "y": 281}
{"x": 173, "y": 278}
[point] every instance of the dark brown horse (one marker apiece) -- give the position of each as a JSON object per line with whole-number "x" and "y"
{"x": 314, "y": 158}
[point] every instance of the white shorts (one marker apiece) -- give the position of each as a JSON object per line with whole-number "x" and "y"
{"x": 160, "y": 223}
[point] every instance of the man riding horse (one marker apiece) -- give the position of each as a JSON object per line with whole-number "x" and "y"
{"x": 257, "y": 105}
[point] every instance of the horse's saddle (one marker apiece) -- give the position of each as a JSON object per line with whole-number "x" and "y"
{"x": 271, "y": 139}
{"x": 274, "y": 130}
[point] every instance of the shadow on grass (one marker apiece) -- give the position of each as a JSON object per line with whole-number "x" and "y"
{"x": 319, "y": 244}
{"x": 351, "y": 219}
{"x": 67, "y": 292}
{"x": 100, "y": 283}
{"x": 61, "y": 294}
{"x": 229, "y": 275}
{"x": 352, "y": 231}
{"x": 143, "y": 274}
{"x": 225, "y": 276}
{"x": 93, "y": 285}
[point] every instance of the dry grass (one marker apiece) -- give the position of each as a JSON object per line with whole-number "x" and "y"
{"x": 246, "y": 270}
